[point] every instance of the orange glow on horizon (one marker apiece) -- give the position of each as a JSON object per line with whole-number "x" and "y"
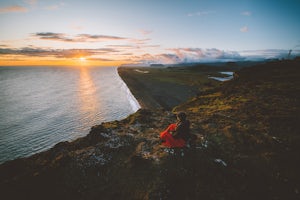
{"x": 44, "y": 61}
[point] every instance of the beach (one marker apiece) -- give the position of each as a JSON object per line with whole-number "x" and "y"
{"x": 164, "y": 88}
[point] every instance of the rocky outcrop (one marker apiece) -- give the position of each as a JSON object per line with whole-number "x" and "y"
{"x": 246, "y": 148}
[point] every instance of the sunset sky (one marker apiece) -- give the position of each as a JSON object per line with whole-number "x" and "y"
{"x": 115, "y": 32}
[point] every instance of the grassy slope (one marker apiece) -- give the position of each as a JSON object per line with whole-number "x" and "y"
{"x": 253, "y": 121}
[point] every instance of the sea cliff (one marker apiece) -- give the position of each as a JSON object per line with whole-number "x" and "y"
{"x": 247, "y": 144}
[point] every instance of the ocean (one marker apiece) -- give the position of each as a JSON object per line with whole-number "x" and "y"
{"x": 41, "y": 106}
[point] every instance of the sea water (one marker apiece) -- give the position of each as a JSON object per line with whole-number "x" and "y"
{"x": 227, "y": 78}
{"x": 41, "y": 106}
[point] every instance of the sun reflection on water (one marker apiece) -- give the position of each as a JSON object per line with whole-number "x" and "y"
{"x": 88, "y": 96}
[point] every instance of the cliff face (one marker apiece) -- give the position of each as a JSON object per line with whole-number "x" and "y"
{"x": 247, "y": 148}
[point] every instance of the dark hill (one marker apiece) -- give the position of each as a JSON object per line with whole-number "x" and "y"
{"x": 247, "y": 148}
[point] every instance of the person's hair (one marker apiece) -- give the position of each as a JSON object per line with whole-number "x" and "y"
{"x": 181, "y": 116}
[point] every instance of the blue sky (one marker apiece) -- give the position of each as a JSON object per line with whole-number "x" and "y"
{"x": 116, "y": 32}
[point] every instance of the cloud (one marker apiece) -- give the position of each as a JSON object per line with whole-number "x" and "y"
{"x": 268, "y": 54}
{"x": 297, "y": 46}
{"x": 244, "y": 29}
{"x": 58, "y": 53}
{"x": 77, "y": 38}
{"x": 190, "y": 55}
{"x": 15, "y": 8}
{"x": 200, "y": 13}
{"x": 246, "y": 13}
{"x": 125, "y": 46}
{"x": 140, "y": 41}
{"x": 134, "y": 46}
{"x": 145, "y": 32}
{"x": 128, "y": 53}
{"x": 52, "y": 36}
{"x": 159, "y": 58}
{"x": 18, "y": 8}
{"x": 77, "y": 27}
{"x": 31, "y": 2}
{"x": 198, "y": 54}
{"x": 103, "y": 59}
{"x": 88, "y": 37}
{"x": 85, "y": 38}
{"x": 54, "y": 7}
{"x": 151, "y": 46}
{"x": 28, "y": 51}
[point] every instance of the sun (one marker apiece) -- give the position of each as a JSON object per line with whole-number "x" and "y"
{"x": 82, "y": 59}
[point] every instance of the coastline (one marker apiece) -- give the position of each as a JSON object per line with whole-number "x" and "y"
{"x": 164, "y": 88}
{"x": 139, "y": 91}
{"x": 132, "y": 100}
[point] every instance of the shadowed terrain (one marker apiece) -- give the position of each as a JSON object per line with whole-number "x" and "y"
{"x": 246, "y": 148}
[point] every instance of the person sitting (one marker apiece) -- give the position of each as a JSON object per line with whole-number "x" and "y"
{"x": 177, "y": 134}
